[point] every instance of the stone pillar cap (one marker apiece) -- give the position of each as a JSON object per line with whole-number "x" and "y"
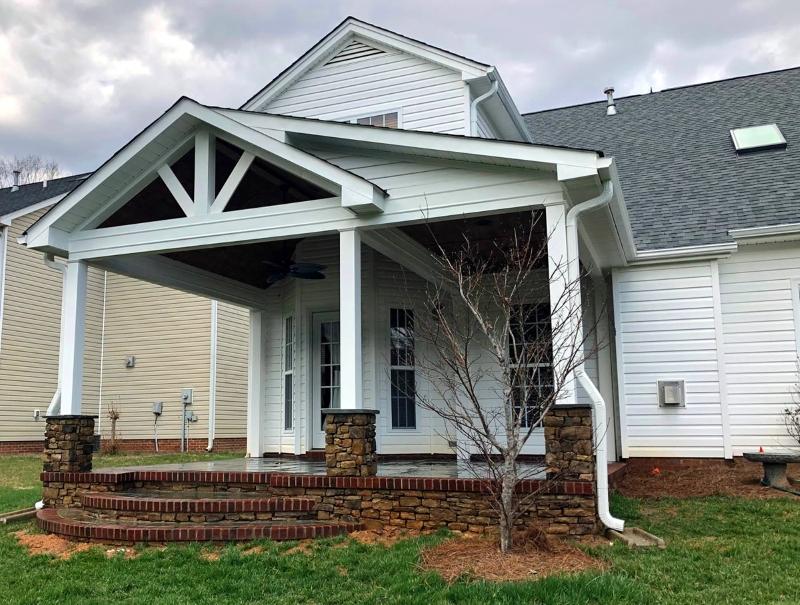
{"x": 349, "y": 411}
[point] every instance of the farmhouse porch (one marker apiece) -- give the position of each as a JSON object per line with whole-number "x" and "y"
{"x": 323, "y": 230}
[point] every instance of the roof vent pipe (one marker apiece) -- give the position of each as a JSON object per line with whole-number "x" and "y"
{"x": 611, "y": 109}
{"x": 16, "y": 181}
{"x": 44, "y": 183}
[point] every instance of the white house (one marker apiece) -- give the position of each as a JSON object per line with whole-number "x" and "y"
{"x": 325, "y": 173}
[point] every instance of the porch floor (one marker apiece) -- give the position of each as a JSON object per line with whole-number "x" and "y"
{"x": 390, "y": 468}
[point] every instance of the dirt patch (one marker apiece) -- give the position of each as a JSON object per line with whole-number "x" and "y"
{"x": 387, "y": 536}
{"x": 740, "y": 478}
{"x": 124, "y": 551}
{"x": 210, "y": 555}
{"x": 253, "y": 550}
{"x": 304, "y": 547}
{"x": 48, "y": 544}
{"x": 481, "y": 558}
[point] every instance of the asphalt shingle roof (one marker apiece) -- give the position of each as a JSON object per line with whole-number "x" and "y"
{"x": 33, "y": 193}
{"x": 684, "y": 183}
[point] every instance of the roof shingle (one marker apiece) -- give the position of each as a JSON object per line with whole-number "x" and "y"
{"x": 33, "y": 193}
{"x": 684, "y": 183}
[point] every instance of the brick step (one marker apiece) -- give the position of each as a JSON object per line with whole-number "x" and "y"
{"x": 192, "y": 502}
{"x": 79, "y": 525}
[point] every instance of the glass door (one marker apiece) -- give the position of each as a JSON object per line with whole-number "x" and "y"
{"x": 326, "y": 370}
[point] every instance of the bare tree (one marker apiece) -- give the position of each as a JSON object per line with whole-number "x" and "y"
{"x": 32, "y": 169}
{"x": 499, "y": 353}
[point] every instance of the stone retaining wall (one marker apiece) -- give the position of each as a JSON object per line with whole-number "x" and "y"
{"x": 563, "y": 507}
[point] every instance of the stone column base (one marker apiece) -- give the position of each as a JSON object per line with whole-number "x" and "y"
{"x": 350, "y": 443}
{"x": 568, "y": 442}
{"x": 68, "y": 444}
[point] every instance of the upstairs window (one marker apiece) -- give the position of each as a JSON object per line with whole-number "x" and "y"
{"x": 403, "y": 383}
{"x": 384, "y": 120}
{"x": 751, "y": 138}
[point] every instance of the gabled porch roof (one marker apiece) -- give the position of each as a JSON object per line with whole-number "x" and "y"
{"x": 164, "y": 141}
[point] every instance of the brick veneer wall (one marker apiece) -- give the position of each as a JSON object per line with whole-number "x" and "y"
{"x": 563, "y": 507}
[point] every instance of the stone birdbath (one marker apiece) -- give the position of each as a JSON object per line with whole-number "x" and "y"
{"x": 775, "y": 469}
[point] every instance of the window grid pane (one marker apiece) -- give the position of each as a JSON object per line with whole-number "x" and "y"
{"x": 288, "y": 374}
{"x": 530, "y": 351}
{"x": 402, "y": 378}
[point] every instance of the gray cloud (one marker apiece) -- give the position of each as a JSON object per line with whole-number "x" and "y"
{"x": 79, "y": 79}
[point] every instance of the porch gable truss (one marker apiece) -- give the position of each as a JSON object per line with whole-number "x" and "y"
{"x": 151, "y": 156}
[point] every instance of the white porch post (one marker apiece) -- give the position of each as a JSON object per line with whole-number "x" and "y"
{"x": 350, "y": 317}
{"x": 256, "y": 374}
{"x": 73, "y": 324}
{"x": 562, "y": 310}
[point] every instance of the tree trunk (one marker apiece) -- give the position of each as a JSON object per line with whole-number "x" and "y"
{"x": 507, "y": 504}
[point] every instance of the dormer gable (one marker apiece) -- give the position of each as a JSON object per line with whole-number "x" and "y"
{"x": 360, "y": 71}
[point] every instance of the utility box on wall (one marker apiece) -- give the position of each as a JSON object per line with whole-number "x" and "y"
{"x": 671, "y": 393}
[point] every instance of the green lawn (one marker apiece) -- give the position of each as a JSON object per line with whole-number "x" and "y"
{"x": 720, "y": 550}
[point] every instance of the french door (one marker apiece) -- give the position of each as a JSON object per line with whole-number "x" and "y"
{"x": 326, "y": 370}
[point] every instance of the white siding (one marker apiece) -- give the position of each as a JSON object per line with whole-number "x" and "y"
{"x": 665, "y": 329}
{"x": 759, "y": 290}
{"x": 428, "y": 96}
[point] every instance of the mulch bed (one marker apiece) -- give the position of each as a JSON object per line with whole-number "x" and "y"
{"x": 715, "y": 478}
{"x": 480, "y": 558}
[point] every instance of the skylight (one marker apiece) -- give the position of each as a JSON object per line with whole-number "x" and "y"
{"x": 757, "y": 137}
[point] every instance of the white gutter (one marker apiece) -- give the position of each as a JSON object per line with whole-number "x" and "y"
{"x": 473, "y": 108}
{"x": 598, "y": 404}
{"x": 55, "y": 403}
{"x": 212, "y": 383}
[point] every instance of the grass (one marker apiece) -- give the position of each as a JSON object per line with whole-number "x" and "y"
{"x": 720, "y": 550}
{"x": 19, "y": 475}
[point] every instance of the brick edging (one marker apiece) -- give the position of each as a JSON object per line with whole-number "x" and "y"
{"x": 123, "y": 503}
{"x": 317, "y": 481}
{"x": 51, "y": 521}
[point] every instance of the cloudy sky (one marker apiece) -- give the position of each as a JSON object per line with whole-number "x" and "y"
{"x": 79, "y": 79}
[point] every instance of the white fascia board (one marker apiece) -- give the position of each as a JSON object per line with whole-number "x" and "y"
{"x": 454, "y": 146}
{"x": 509, "y": 107}
{"x": 766, "y": 234}
{"x": 685, "y": 253}
{"x": 41, "y": 234}
{"x": 348, "y": 29}
{"x": 7, "y": 218}
{"x": 298, "y": 219}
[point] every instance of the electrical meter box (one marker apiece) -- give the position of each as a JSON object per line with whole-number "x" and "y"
{"x": 158, "y": 408}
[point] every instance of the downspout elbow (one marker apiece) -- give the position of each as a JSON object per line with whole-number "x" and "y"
{"x": 473, "y": 109}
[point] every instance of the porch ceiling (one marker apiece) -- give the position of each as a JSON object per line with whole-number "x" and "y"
{"x": 246, "y": 263}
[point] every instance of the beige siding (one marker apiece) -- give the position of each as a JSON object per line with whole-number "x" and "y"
{"x": 168, "y": 332}
{"x": 233, "y": 329}
{"x": 29, "y": 338}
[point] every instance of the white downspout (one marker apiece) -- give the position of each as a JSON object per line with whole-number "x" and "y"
{"x": 473, "y": 108}
{"x": 55, "y": 403}
{"x": 598, "y": 404}
{"x": 212, "y": 383}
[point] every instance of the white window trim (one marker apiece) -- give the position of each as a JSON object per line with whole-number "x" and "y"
{"x": 417, "y": 428}
{"x": 284, "y": 372}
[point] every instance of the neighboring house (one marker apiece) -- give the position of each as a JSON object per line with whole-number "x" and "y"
{"x": 178, "y": 341}
{"x": 354, "y": 154}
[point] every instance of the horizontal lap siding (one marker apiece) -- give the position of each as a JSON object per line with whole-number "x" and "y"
{"x": 760, "y": 341}
{"x": 233, "y": 331}
{"x": 665, "y": 329}
{"x": 429, "y": 97}
{"x": 169, "y": 334}
{"x": 30, "y": 337}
